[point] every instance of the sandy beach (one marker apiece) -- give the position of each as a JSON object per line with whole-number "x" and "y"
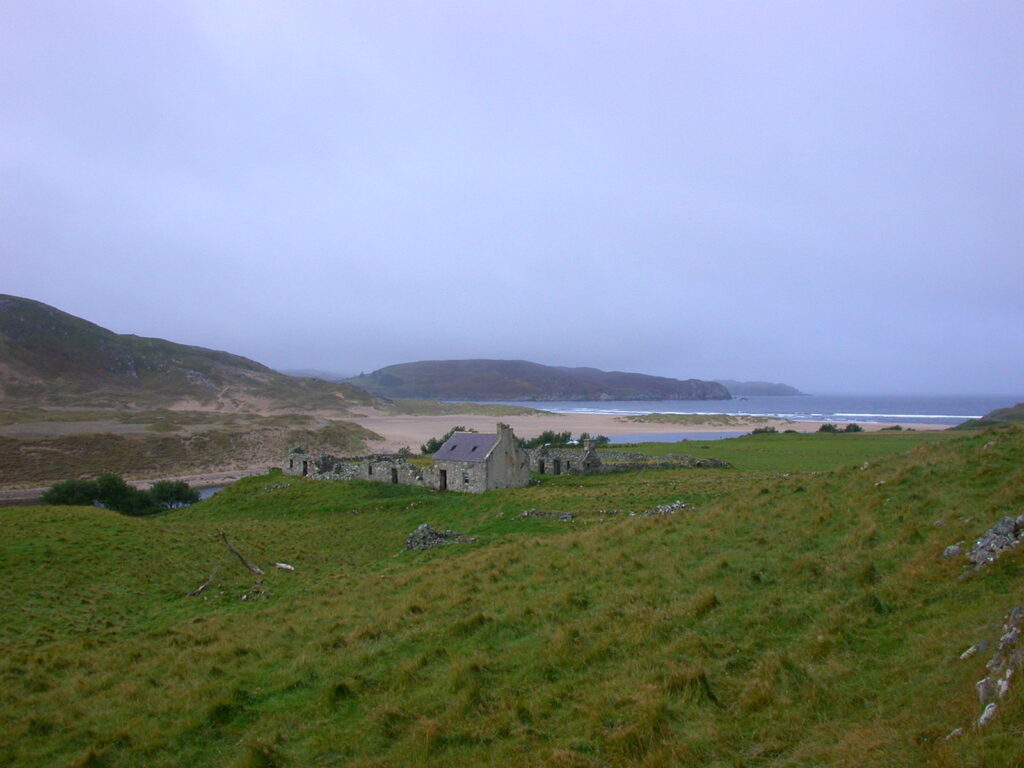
{"x": 413, "y": 431}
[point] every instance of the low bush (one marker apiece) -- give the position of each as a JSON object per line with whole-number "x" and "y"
{"x": 547, "y": 437}
{"x": 173, "y": 493}
{"x": 78, "y": 492}
{"x": 112, "y": 492}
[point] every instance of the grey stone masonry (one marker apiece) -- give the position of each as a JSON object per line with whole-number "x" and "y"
{"x": 498, "y": 463}
{"x": 565, "y": 460}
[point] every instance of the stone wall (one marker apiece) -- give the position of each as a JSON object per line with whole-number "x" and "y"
{"x": 379, "y": 468}
{"x": 506, "y": 466}
{"x": 565, "y": 460}
{"x": 466, "y": 476}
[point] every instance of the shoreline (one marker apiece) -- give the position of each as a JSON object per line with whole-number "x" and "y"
{"x": 398, "y": 431}
{"x": 412, "y": 431}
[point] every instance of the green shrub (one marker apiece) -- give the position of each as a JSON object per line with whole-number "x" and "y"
{"x": 112, "y": 492}
{"x": 853, "y": 428}
{"x": 173, "y": 493}
{"x": 829, "y": 428}
{"x": 547, "y": 437}
{"x": 765, "y": 431}
{"x": 77, "y": 492}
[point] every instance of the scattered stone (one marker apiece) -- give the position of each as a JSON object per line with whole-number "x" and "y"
{"x": 1002, "y": 537}
{"x": 988, "y": 714}
{"x": 276, "y": 486}
{"x": 953, "y": 550}
{"x": 954, "y": 733}
{"x": 425, "y": 537}
{"x": 565, "y": 517}
{"x": 937, "y": 523}
{"x": 1007, "y": 656}
{"x": 987, "y": 690}
{"x": 664, "y": 509}
{"x": 284, "y": 566}
{"x": 1009, "y": 640}
{"x": 989, "y": 444}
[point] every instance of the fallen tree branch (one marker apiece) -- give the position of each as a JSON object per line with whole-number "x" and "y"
{"x": 198, "y": 590}
{"x": 251, "y": 566}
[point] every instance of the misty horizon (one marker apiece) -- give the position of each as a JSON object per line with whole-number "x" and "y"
{"x": 812, "y": 194}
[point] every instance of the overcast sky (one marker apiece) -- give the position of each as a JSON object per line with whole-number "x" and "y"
{"x": 828, "y": 194}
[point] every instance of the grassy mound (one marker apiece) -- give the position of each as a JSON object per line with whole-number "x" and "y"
{"x": 1013, "y": 415}
{"x": 799, "y": 620}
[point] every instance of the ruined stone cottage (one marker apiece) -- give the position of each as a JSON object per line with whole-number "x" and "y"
{"x": 565, "y": 460}
{"x": 468, "y": 462}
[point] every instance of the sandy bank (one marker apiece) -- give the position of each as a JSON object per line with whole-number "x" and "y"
{"x": 413, "y": 431}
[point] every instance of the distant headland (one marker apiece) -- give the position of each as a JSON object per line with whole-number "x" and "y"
{"x": 525, "y": 381}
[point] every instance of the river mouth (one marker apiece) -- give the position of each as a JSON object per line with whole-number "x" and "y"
{"x": 205, "y": 493}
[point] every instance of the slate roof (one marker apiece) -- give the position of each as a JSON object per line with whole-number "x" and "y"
{"x": 466, "y": 446}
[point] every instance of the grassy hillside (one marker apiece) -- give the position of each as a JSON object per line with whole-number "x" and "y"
{"x": 48, "y": 357}
{"x": 161, "y": 443}
{"x": 798, "y": 452}
{"x": 522, "y": 380}
{"x": 1013, "y": 414}
{"x": 781, "y": 621}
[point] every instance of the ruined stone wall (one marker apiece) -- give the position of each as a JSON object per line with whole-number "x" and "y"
{"x": 463, "y": 476}
{"x": 298, "y": 464}
{"x": 508, "y": 465}
{"x": 552, "y": 460}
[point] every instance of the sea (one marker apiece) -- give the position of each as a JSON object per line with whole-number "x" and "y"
{"x": 888, "y": 409}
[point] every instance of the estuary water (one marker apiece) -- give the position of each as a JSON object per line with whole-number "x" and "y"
{"x": 889, "y": 409}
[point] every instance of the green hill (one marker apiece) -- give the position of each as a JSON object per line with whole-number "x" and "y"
{"x": 522, "y": 380}
{"x": 48, "y": 357}
{"x": 1013, "y": 414}
{"x": 785, "y": 618}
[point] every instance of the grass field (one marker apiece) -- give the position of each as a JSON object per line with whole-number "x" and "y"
{"x": 781, "y": 621}
{"x": 795, "y": 452}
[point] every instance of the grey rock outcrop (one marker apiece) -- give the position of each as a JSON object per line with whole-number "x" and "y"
{"x": 538, "y": 514}
{"x": 426, "y": 537}
{"x": 665, "y": 509}
{"x": 1002, "y": 537}
{"x": 1006, "y": 658}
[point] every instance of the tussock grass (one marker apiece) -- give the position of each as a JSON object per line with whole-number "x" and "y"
{"x": 222, "y": 442}
{"x": 798, "y": 452}
{"x": 802, "y": 620}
